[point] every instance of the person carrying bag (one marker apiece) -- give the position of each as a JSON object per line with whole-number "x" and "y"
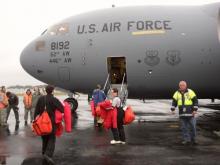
{"x": 52, "y": 104}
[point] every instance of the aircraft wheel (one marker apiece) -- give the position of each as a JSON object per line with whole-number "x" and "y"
{"x": 73, "y": 104}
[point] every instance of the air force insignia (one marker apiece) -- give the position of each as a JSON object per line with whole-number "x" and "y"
{"x": 173, "y": 57}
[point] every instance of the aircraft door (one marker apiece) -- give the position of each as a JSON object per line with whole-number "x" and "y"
{"x": 117, "y": 70}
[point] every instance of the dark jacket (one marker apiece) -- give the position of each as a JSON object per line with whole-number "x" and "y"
{"x": 13, "y": 99}
{"x": 52, "y": 104}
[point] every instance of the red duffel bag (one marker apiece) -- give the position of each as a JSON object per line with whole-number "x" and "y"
{"x": 92, "y": 105}
{"x": 107, "y": 105}
{"x": 42, "y": 125}
{"x": 129, "y": 115}
{"x": 98, "y": 110}
{"x": 67, "y": 117}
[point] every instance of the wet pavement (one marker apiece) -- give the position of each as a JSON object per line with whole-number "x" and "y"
{"x": 154, "y": 138}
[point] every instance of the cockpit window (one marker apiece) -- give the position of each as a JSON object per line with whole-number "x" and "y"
{"x": 40, "y": 46}
{"x": 59, "y": 29}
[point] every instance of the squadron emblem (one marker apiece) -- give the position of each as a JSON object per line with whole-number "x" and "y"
{"x": 152, "y": 58}
{"x": 173, "y": 57}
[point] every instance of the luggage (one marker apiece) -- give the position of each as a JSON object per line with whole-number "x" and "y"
{"x": 42, "y": 124}
{"x": 129, "y": 116}
{"x": 98, "y": 110}
{"x": 58, "y": 117}
{"x": 92, "y": 105}
{"x": 67, "y": 117}
{"x": 59, "y": 129}
{"x": 110, "y": 120}
{"x": 107, "y": 105}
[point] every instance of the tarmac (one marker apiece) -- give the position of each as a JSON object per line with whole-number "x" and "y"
{"x": 154, "y": 138}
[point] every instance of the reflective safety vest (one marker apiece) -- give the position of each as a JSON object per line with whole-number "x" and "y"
{"x": 3, "y": 101}
{"x": 186, "y": 102}
{"x": 27, "y": 100}
{"x": 188, "y": 96}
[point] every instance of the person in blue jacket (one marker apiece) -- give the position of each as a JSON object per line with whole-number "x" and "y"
{"x": 98, "y": 96}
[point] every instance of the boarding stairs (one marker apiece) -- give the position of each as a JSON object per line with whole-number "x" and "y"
{"x": 122, "y": 89}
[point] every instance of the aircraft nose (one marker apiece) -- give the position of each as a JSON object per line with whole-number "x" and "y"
{"x": 25, "y": 59}
{"x": 29, "y": 58}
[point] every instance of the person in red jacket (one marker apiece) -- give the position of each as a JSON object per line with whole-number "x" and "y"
{"x": 118, "y": 133}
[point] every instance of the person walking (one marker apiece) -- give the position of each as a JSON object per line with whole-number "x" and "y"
{"x": 118, "y": 133}
{"x": 35, "y": 97}
{"x": 187, "y": 103}
{"x": 51, "y": 104}
{"x": 27, "y": 100}
{"x": 13, "y": 104}
{"x": 98, "y": 96}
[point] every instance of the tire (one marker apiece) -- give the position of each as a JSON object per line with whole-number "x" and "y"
{"x": 73, "y": 104}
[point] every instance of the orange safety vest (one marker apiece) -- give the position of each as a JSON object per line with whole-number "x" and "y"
{"x": 28, "y": 100}
{"x": 4, "y": 102}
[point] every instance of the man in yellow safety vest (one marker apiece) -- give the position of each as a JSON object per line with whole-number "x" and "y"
{"x": 187, "y": 103}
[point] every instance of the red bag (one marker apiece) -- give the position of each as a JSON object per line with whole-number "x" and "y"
{"x": 59, "y": 129}
{"x": 107, "y": 105}
{"x": 58, "y": 117}
{"x": 98, "y": 110}
{"x": 67, "y": 117}
{"x": 92, "y": 105}
{"x": 129, "y": 116}
{"x": 110, "y": 120}
{"x": 42, "y": 124}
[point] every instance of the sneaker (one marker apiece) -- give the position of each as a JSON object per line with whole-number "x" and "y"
{"x": 115, "y": 142}
{"x": 122, "y": 142}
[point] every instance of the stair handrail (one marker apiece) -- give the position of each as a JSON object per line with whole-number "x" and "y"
{"x": 123, "y": 80}
{"x": 107, "y": 80}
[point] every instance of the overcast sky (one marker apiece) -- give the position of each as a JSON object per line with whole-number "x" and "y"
{"x": 24, "y": 20}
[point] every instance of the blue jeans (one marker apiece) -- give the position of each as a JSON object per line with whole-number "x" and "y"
{"x": 188, "y": 126}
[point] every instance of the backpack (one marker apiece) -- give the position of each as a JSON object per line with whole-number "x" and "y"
{"x": 42, "y": 125}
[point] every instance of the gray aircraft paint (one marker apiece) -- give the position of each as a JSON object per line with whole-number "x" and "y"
{"x": 187, "y": 48}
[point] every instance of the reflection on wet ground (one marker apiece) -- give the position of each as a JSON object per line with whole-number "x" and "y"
{"x": 155, "y": 141}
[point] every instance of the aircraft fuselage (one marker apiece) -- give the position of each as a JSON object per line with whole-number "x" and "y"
{"x": 157, "y": 47}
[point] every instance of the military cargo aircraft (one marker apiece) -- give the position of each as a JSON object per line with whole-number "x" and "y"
{"x": 145, "y": 50}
